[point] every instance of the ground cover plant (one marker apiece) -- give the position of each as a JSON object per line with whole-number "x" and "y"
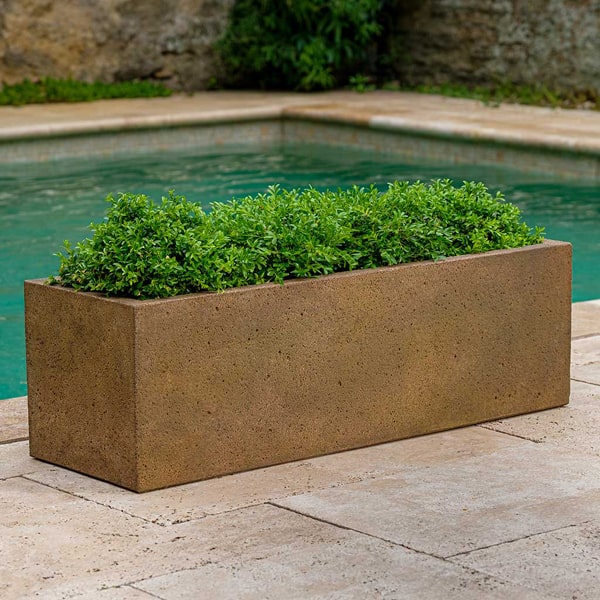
{"x": 151, "y": 250}
{"x": 511, "y": 93}
{"x": 49, "y": 89}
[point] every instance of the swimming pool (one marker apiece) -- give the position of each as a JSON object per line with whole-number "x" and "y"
{"x": 41, "y": 204}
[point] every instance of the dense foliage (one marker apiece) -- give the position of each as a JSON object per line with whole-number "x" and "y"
{"x": 148, "y": 250}
{"x": 69, "y": 90}
{"x": 298, "y": 44}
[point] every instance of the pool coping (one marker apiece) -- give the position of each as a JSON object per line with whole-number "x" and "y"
{"x": 562, "y": 130}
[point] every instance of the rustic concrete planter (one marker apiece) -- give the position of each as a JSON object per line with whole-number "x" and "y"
{"x": 148, "y": 394}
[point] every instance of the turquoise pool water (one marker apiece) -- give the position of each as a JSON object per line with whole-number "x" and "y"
{"x": 43, "y": 204}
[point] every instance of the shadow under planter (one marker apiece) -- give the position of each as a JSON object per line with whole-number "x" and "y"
{"x": 154, "y": 393}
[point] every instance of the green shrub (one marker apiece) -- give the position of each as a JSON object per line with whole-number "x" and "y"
{"x": 298, "y": 44}
{"x": 145, "y": 250}
{"x": 68, "y": 90}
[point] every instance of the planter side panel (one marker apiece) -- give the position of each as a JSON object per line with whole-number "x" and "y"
{"x": 80, "y": 365}
{"x": 263, "y": 375}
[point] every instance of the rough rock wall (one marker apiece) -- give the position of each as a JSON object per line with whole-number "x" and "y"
{"x": 112, "y": 40}
{"x": 555, "y": 42}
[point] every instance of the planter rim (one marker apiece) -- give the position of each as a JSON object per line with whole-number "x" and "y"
{"x": 301, "y": 281}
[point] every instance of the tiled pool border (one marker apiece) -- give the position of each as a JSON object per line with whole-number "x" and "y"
{"x": 264, "y": 129}
{"x": 260, "y": 134}
{"x": 451, "y": 149}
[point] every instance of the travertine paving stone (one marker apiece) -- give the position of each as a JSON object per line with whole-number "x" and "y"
{"x": 15, "y": 460}
{"x": 586, "y": 318}
{"x": 194, "y": 501}
{"x": 163, "y": 507}
{"x": 585, "y": 359}
{"x": 281, "y": 555}
{"x": 13, "y": 419}
{"x": 568, "y": 427}
{"x": 559, "y": 564}
{"x": 419, "y": 452}
{"x": 584, "y": 395}
{"x": 585, "y": 351}
{"x": 73, "y": 546}
{"x": 575, "y": 426}
{"x": 471, "y": 503}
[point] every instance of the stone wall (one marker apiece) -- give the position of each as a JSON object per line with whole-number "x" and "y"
{"x": 554, "y": 42}
{"x": 112, "y": 40}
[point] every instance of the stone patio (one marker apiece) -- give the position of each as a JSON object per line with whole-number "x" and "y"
{"x": 505, "y": 510}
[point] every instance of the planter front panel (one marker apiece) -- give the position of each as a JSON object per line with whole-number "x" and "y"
{"x": 268, "y": 374}
{"x": 80, "y": 379}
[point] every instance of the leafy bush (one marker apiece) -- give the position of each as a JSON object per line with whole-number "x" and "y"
{"x": 68, "y": 90}
{"x": 145, "y": 250}
{"x": 298, "y": 44}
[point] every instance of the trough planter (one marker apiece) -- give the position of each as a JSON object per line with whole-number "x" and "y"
{"x": 154, "y": 393}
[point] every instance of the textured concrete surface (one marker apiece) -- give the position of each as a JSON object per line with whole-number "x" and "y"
{"x": 90, "y": 428}
{"x": 166, "y": 392}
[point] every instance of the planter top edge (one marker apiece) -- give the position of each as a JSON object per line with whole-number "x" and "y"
{"x": 545, "y": 245}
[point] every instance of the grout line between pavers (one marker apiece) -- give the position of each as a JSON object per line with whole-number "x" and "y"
{"x": 121, "y": 586}
{"x": 525, "y": 537}
{"x": 149, "y": 594}
{"x": 13, "y": 440}
{"x": 20, "y": 475}
{"x": 133, "y": 584}
{"x": 446, "y": 559}
{"x": 96, "y": 502}
{"x": 521, "y": 437}
{"x": 473, "y": 570}
{"x": 338, "y": 483}
{"x": 584, "y": 336}
{"x": 584, "y": 381}
{"x": 345, "y": 527}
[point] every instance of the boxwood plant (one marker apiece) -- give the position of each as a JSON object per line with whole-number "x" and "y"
{"x": 148, "y": 250}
